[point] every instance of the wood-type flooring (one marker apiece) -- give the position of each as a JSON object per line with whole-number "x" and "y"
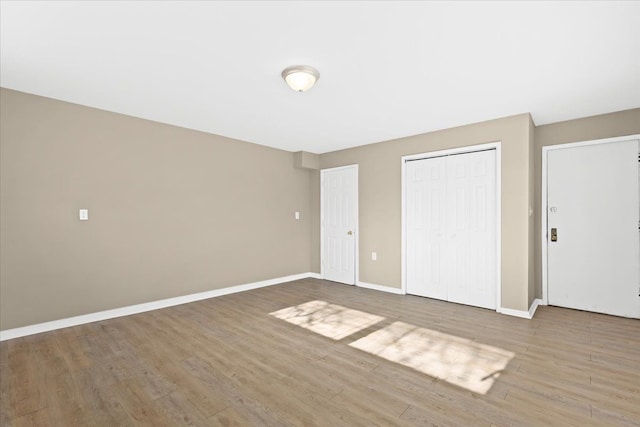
{"x": 313, "y": 352}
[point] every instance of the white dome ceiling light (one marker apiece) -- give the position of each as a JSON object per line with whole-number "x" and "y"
{"x": 300, "y": 78}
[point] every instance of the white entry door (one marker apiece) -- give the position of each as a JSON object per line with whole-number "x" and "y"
{"x": 593, "y": 245}
{"x": 451, "y": 228}
{"x": 338, "y": 221}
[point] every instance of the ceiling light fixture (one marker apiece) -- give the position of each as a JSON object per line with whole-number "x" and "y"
{"x": 300, "y": 78}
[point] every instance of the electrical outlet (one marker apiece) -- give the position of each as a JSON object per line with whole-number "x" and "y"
{"x": 374, "y": 256}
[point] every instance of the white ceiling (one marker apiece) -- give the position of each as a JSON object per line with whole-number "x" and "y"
{"x": 387, "y": 69}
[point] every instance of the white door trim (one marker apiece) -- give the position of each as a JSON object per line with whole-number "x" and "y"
{"x": 357, "y": 215}
{"x": 544, "y": 201}
{"x": 461, "y": 150}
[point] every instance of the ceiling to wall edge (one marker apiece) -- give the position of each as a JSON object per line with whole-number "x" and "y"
{"x": 303, "y": 151}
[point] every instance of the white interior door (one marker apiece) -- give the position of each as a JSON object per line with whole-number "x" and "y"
{"x": 339, "y": 217}
{"x": 593, "y": 211}
{"x": 451, "y": 228}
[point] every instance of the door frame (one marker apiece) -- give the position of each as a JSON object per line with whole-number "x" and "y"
{"x": 461, "y": 150}
{"x": 356, "y": 258}
{"x": 544, "y": 210}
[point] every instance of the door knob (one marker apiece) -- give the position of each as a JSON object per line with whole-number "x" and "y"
{"x": 349, "y": 232}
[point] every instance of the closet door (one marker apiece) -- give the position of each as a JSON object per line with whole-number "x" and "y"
{"x": 471, "y": 229}
{"x": 451, "y": 228}
{"x": 426, "y": 222}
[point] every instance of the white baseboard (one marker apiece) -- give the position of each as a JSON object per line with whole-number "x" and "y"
{"x": 521, "y": 313}
{"x": 380, "y": 288}
{"x": 314, "y": 275}
{"x": 141, "y": 308}
{"x": 534, "y": 306}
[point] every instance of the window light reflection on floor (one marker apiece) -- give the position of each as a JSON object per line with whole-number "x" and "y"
{"x": 456, "y": 360}
{"x": 329, "y": 320}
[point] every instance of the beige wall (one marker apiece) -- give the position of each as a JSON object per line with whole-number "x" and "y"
{"x": 585, "y": 129}
{"x": 305, "y": 160}
{"x": 531, "y": 228}
{"x": 314, "y": 192}
{"x": 380, "y": 199}
{"x": 175, "y": 211}
{"x": 172, "y": 211}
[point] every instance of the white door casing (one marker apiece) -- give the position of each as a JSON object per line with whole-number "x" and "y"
{"x": 593, "y": 205}
{"x": 339, "y": 216}
{"x": 450, "y": 228}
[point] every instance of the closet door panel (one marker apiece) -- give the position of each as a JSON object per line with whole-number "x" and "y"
{"x": 426, "y": 221}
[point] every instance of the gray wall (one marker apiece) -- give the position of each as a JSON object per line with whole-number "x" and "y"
{"x": 172, "y": 211}
{"x": 380, "y": 200}
{"x": 585, "y": 129}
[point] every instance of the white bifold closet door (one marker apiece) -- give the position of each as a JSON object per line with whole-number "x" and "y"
{"x": 451, "y": 228}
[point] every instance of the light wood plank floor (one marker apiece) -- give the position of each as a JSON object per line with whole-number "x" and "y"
{"x": 228, "y": 361}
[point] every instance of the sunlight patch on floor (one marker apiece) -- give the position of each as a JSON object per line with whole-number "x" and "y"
{"x": 458, "y": 361}
{"x": 329, "y": 320}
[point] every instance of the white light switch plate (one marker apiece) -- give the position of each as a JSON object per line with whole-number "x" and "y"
{"x": 83, "y": 214}
{"x": 374, "y": 256}
{"x": 297, "y": 215}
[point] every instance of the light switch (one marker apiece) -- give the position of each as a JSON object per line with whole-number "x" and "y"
{"x": 374, "y": 256}
{"x": 297, "y": 215}
{"x": 84, "y": 214}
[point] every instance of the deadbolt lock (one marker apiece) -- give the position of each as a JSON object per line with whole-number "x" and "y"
{"x": 554, "y": 234}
